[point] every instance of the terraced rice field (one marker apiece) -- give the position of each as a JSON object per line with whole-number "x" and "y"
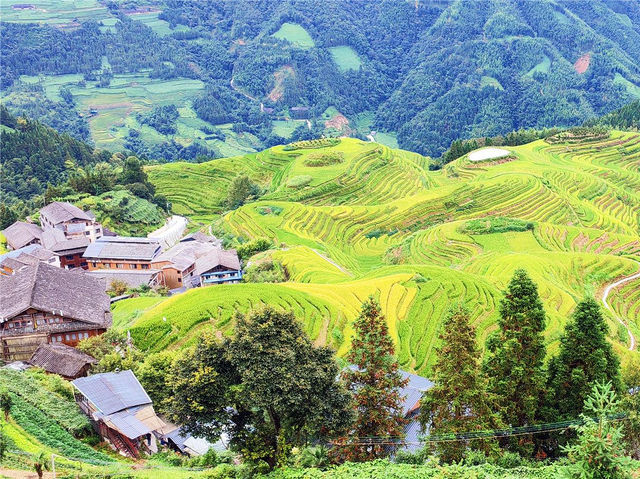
{"x": 379, "y": 222}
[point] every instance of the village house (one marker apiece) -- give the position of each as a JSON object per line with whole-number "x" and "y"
{"x": 121, "y": 411}
{"x": 32, "y": 254}
{"x": 122, "y": 252}
{"x": 218, "y": 267}
{"x": 69, "y": 251}
{"x": 41, "y": 303}
{"x": 21, "y": 234}
{"x": 71, "y": 220}
{"x": 62, "y": 360}
{"x": 177, "y": 265}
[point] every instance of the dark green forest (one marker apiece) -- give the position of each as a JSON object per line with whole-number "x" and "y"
{"x": 430, "y": 72}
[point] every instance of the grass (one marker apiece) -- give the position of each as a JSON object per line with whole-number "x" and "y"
{"x": 379, "y": 222}
{"x": 490, "y": 81}
{"x": 61, "y": 13}
{"x": 631, "y": 88}
{"x": 296, "y": 34}
{"x": 345, "y": 57}
{"x": 542, "y": 67}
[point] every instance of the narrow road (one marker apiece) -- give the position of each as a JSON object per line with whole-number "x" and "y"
{"x": 607, "y": 290}
{"x": 329, "y": 260}
{"x": 171, "y": 232}
{"x": 233, "y": 85}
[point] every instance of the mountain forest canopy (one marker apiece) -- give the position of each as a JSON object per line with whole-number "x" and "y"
{"x": 420, "y": 73}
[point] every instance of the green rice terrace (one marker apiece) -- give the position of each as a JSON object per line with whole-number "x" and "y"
{"x": 349, "y": 219}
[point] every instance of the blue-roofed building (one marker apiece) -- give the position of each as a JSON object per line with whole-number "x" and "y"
{"x": 411, "y": 394}
{"x": 121, "y": 411}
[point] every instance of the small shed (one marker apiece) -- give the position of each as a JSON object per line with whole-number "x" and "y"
{"x": 63, "y": 360}
{"x": 121, "y": 411}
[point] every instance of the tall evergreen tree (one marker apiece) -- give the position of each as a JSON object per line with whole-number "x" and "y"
{"x": 376, "y": 384}
{"x": 585, "y": 357}
{"x": 515, "y": 359}
{"x": 458, "y": 402}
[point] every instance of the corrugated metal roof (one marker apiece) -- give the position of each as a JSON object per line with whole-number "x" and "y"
{"x": 113, "y": 392}
{"x": 127, "y": 423}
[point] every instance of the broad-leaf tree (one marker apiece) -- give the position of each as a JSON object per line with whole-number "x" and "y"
{"x": 585, "y": 357}
{"x": 458, "y": 402}
{"x": 376, "y": 383}
{"x": 269, "y": 388}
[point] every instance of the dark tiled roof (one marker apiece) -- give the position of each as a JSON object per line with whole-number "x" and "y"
{"x": 60, "y": 359}
{"x": 58, "y": 212}
{"x": 218, "y": 257}
{"x": 184, "y": 254}
{"x": 56, "y": 241}
{"x": 131, "y": 277}
{"x": 112, "y": 392}
{"x": 122, "y": 247}
{"x": 202, "y": 237}
{"x": 28, "y": 255}
{"x": 20, "y": 234}
{"x": 44, "y": 287}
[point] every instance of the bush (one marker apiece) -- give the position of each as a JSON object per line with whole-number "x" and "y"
{"x": 495, "y": 225}
{"x": 324, "y": 159}
{"x": 247, "y": 250}
{"x": 299, "y": 181}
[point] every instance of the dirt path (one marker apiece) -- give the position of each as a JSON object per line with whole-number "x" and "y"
{"x": 605, "y": 295}
{"x": 18, "y": 474}
{"x": 332, "y": 262}
{"x": 240, "y": 91}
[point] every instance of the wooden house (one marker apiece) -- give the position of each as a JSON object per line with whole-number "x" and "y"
{"x": 70, "y": 251}
{"x": 62, "y": 360}
{"x": 121, "y": 252}
{"x": 121, "y": 411}
{"x": 219, "y": 267}
{"x": 177, "y": 265}
{"x": 21, "y": 234}
{"x": 32, "y": 254}
{"x": 41, "y": 303}
{"x": 71, "y": 220}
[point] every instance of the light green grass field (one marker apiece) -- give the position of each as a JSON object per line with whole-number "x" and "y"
{"x": 542, "y": 67}
{"x": 55, "y": 12}
{"x": 490, "y": 81}
{"x": 346, "y": 58}
{"x": 380, "y": 223}
{"x": 296, "y": 34}
{"x": 632, "y": 89}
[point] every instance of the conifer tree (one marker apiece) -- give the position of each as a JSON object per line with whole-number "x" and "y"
{"x": 376, "y": 384}
{"x": 585, "y": 357}
{"x": 515, "y": 359}
{"x": 458, "y": 402}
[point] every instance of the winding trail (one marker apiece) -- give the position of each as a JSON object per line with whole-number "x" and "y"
{"x": 329, "y": 260}
{"x": 605, "y": 295}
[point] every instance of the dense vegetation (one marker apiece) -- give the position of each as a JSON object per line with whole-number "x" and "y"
{"x": 450, "y": 71}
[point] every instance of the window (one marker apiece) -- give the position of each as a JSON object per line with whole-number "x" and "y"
{"x": 145, "y": 266}
{"x": 60, "y": 338}
{"x": 94, "y": 264}
{"x": 179, "y": 280}
{"x": 73, "y": 336}
{"x": 87, "y": 232}
{"x": 69, "y": 256}
{"x": 66, "y": 336}
{"x": 119, "y": 265}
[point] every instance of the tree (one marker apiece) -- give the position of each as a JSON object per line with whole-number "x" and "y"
{"x": 7, "y": 216}
{"x": 585, "y": 357}
{"x": 458, "y": 401}
{"x": 241, "y": 189}
{"x": 117, "y": 287}
{"x": 40, "y": 464}
{"x": 515, "y": 357}
{"x": 269, "y": 388}
{"x": 153, "y": 374}
{"x": 599, "y": 452}
{"x": 631, "y": 406}
{"x": 5, "y": 403}
{"x": 376, "y": 384}
{"x": 132, "y": 171}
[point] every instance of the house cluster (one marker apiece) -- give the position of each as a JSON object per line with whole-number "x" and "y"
{"x": 71, "y": 238}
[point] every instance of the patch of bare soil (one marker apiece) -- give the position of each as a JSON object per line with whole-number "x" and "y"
{"x": 582, "y": 64}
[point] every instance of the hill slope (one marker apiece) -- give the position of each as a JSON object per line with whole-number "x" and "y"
{"x": 427, "y": 72}
{"x": 380, "y": 223}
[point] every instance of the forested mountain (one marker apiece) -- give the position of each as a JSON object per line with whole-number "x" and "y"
{"x": 427, "y": 72}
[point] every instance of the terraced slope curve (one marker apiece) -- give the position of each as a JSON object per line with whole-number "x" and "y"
{"x": 353, "y": 218}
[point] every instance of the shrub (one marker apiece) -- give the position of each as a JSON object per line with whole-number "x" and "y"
{"x": 497, "y": 224}
{"x": 324, "y": 159}
{"x": 299, "y": 181}
{"x": 247, "y": 250}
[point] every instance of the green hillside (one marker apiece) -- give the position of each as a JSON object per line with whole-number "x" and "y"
{"x": 379, "y": 222}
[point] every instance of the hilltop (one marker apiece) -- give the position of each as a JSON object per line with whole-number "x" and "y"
{"x": 374, "y": 220}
